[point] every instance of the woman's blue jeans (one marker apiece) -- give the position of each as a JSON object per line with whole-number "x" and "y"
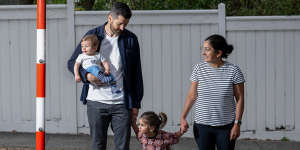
{"x": 209, "y": 137}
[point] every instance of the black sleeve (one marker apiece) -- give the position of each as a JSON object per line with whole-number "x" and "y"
{"x": 139, "y": 87}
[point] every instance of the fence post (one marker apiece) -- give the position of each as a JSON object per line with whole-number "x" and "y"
{"x": 222, "y": 19}
{"x": 70, "y": 48}
{"x": 71, "y": 22}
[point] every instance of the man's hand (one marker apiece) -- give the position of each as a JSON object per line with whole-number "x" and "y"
{"x": 235, "y": 132}
{"x": 134, "y": 115}
{"x": 183, "y": 125}
{"x": 94, "y": 80}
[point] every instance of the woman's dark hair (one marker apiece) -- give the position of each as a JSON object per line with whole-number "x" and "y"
{"x": 218, "y": 42}
{"x": 154, "y": 120}
{"x": 122, "y": 9}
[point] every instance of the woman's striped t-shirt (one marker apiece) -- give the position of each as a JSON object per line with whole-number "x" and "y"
{"x": 215, "y": 104}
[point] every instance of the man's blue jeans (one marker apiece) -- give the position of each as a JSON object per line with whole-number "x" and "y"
{"x": 100, "y": 115}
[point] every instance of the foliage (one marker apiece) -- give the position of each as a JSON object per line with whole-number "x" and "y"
{"x": 54, "y": 1}
{"x": 30, "y": 2}
{"x": 85, "y": 4}
{"x": 285, "y": 139}
{"x": 16, "y": 2}
{"x": 233, "y": 7}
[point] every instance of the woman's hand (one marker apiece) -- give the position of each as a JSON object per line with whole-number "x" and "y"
{"x": 183, "y": 126}
{"x": 235, "y": 132}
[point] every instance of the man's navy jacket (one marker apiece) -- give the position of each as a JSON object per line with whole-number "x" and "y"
{"x": 132, "y": 72}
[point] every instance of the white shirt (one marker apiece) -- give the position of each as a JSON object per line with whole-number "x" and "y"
{"x": 109, "y": 49}
{"x": 88, "y": 61}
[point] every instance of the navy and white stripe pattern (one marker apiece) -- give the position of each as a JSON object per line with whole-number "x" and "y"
{"x": 215, "y": 104}
{"x": 106, "y": 79}
{"x": 109, "y": 80}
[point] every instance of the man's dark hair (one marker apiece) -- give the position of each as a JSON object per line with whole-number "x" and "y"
{"x": 122, "y": 9}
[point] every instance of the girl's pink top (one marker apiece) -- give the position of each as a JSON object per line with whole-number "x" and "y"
{"x": 161, "y": 141}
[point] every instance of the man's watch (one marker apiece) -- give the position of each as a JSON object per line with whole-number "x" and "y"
{"x": 238, "y": 122}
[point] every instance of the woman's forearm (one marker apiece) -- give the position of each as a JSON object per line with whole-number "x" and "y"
{"x": 190, "y": 99}
{"x": 239, "y": 109}
{"x": 239, "y": 96}
{"x": 187, "y": 106}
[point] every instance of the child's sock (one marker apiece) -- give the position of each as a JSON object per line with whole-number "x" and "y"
{"x": 108, "y": 79}
{"x": 105, "y": 78}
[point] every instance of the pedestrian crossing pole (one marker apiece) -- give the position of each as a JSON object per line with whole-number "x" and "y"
{"x": 40, "y": 74}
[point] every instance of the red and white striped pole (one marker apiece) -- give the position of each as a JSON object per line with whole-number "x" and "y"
{"x": 40, "y": 74}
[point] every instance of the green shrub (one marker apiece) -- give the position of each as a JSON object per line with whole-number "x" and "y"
{"x": 285, "y": 139}
{"x": 233, "y": 7}
{"x": 54, "y": 1}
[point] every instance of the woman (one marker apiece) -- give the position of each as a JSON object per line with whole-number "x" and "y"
{"x": 214, "y": 84}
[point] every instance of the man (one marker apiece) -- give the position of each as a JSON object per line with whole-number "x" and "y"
{"x": 121, "y": 49}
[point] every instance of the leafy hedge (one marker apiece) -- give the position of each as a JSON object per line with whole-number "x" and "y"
{"x": 233, "y": 7}
{"x": 53, "y": 1}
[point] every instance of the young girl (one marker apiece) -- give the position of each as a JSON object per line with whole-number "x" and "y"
{"x": 150, "y": 134}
